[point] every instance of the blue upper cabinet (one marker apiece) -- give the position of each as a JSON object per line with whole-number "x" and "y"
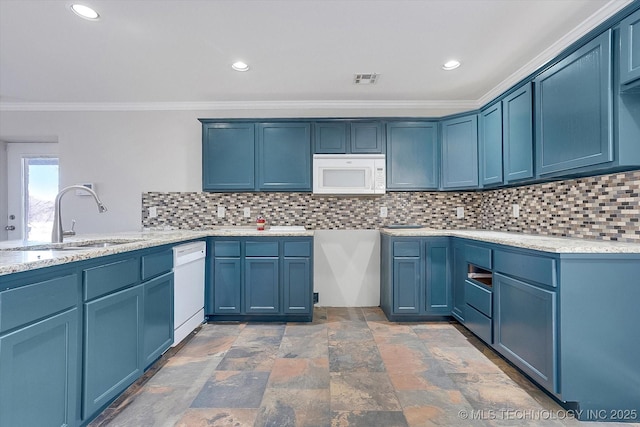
{"x": 490, "y": 145}
{"x": 228, "y": 156}
{"x": 284, "y": 156}
{"x": 366, "y": 137}
{"x": 630, "y": 49}
{"x": 517, "y": 111}
{"x": 573, "y": 106}
{"x": 330, "y": 137}
{"x": 412, "y": 156}
{"x": 348, "y": 136}
{"x": 460, "y": 152}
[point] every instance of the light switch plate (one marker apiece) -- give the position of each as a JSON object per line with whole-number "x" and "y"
{"x": 221, "y": 211}
{"x": 515, "y": 210}
{"x": 383, "y": 212}
{"x": 153, "y": 211}
{"x": 460, "y": 212}
{"x": 247, "y": 212}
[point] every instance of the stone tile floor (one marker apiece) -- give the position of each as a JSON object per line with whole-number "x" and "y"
{"x": 349, "y": 367}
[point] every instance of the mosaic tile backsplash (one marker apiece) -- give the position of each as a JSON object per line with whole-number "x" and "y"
{"x": 602, "y": 207}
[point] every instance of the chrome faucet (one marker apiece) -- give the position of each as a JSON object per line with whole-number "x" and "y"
{"x": 58, "y": 233}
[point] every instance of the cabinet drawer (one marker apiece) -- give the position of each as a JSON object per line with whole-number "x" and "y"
{"x": 262, "y": 249}
{"x": 301, "y": 249}
{"x": 226, "y": 249}
{"x": 108, "y": 278}
{"x": 406, "y": 249}
{"x": 32, "y": 302}
{"x": 478, "y": 297}
{"x": 529, "y": 267}
{"x": 479, "y": 256}
{"x": 479, "y": 324}
{"x": 157, "y": 264}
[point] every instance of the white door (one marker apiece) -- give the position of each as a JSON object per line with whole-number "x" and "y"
{"x": 32, "y": 178}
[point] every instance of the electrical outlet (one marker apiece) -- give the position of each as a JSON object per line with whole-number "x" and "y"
{"x": 515, "y": 210}
{"x": 247, "y": 212}
{"x": 316, "y": 297}
{"x": 153, "y": 211}
{"x": 383, "y": 212}
{"x": 460, "y": 212}
{"x": 221, "y": 211}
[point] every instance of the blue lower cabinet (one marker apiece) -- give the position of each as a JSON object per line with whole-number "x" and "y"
{"x": 227, "y": 285}
{"x": 261, "y": 285}
{"x": 158, "y": 317}
{"x": 459, "y": 276}
{"x": 112, "y": 337}
{"x": 415, "y": 279}
{"x": 525, "y": 328}
{"x": 39, "y": 372}
{"x": 296, "y": 286}
{"x": 407, "y": 280}
{"x": 438, "y": 296}
{"x": 265, "y": 278}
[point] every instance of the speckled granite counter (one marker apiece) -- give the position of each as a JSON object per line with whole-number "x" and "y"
{"x": 14, "y": 261}
{"x": 541, "y": 243}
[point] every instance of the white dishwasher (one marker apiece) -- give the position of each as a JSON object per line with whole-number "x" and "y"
{"x": 188, "y": 290}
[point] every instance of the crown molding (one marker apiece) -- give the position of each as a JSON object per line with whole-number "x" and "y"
{"x": 604, "y": 13}
{"x": 440, "y": 105}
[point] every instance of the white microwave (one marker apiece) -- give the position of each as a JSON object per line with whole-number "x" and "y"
{"x": 349, "y": 174}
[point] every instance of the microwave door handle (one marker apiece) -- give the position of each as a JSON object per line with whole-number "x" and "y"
{"x": 371, "y": 179}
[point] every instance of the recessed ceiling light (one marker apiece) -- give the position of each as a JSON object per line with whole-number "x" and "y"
{"x": 451, "y": 65}
{"x": 85, "y": 12}
{"x": 240, "y": 66}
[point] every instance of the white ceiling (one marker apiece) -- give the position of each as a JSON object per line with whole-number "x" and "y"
{"x": 177, "y": 54}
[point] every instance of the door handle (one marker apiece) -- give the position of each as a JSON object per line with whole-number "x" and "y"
{"x": 10, "y": 227}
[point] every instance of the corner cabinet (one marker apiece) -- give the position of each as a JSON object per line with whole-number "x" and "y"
{"x": 517, "y": 127}
{"x": 412, "y": 156}
{"x": 573, "y": 110}
{"x": 460, "y": 152}
{"x": 415, "y": 281}
{"x": 263, "y": 278}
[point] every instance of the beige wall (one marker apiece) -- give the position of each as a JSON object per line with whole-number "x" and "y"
{"x": 3, "y": 190}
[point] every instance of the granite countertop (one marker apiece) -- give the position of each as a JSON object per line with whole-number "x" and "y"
{"x": 561, "y": 245}
{"x": 14, "y": 261}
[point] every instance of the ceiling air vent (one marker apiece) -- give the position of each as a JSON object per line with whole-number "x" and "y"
{"x": 365, "y": 79}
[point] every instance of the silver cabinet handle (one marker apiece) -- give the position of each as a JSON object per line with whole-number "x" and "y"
{"x": 10, "y": 227}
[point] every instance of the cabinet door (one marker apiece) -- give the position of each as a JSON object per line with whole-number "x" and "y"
{"x": 574, "y": 105}
{"x": 284, "y": 156}
{"x": 412, "y": 156}
{"x": 228, "y": 156}
{"x": 112, "y": 341}
{"x": 490, "y": 145}
{"x": 459, "y": 277}
{"x": 158, "y": 318}
{"x": 330, "y": 137}
{"x": 226, "y": 285}
{"x": 437, "y": 287}
{"x": 518, "y": 134}
{"x": 366, "y": 137}
{"x": 39, "y": 371}
{"x": 630, "y": 48}
{"x": 297, "y": 286}
{"x": 261, "y": 286}
{"x": 460, "y": 152}
{"x": 407, "y": 279}
{"x": 525, "y": 327}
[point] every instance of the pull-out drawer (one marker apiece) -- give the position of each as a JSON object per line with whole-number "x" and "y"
{"x": 110, "y": 277}
{"x": 229, "y": 248}
{"x": 478, "y": 255}
{"x": 479, "y": 324}
{"x": 269, "y": 249}
{"x": 478, "y": 297}
{"x": 29, "y": 303}
{"x": 535, "y": 268}
{"x": 404, "y": 249}
{"x": 297, "y": 249}
{"x": 156, "y": 264}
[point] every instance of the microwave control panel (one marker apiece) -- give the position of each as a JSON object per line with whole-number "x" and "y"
{"x": 379, "y": 179}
